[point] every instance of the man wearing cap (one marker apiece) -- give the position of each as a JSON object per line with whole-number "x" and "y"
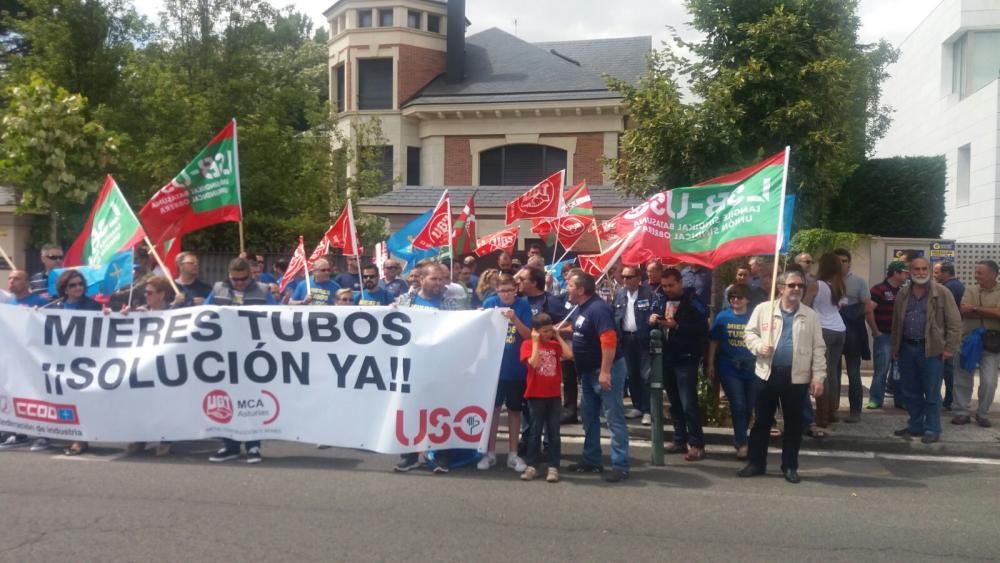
{"x": 883, "y": 296}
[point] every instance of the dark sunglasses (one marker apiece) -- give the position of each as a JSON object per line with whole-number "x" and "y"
{"x": 237, "y": 280}
{"x": 731, "y": 297}
{"x": 75, "y": 285}
{"x": 795, "y": 285}
{"x": 54, "y": 258}
{"x": 370, "y": 277}
{"x": 629, "y": 277}
{"x": 322, "y": 270}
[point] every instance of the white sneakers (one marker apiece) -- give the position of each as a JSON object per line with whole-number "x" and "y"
{"x": 488, "y": 461}
{"x": 647, "y": 419}
{"x": 513, "y": 461}
{"x": 516, "y": 463}
{"x": 633, "y": 413}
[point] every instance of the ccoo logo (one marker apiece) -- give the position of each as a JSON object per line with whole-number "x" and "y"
{"x": 218, "y": 406}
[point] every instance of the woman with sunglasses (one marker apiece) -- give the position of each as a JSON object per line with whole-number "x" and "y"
{"x": 732, "y": 364}
{"x": 825, "y": 296}
{"x": 71, "y": 295}
{"x": 344, "y": 296}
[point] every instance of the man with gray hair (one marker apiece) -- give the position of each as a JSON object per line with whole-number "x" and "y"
{"x": 188, "y": 269}
{"x": 787, "y": 339}
{"x": 52, "y": 258}
{"x": 980, "y": 309}
{"x": 391, "y": 281}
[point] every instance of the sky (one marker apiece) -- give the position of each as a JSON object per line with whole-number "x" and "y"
{"x": 555, "y": 20}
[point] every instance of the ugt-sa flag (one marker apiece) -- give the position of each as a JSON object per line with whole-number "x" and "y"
{"x": 206, "y": 192}
{"x": 543, "y": 201}
{"x": 110, "y": 228}
{"x": 504, "y": 240}
{"x": 437, "y": 232}
{"x": 735, "y": 215}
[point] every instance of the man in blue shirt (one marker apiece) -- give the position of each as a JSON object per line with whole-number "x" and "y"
{"x": 944, "y": 274}
{"x": 322, "y": 290}
{"x": 351, "y": 278}
{"x": 391, "y": 282}
{"x": 602, "y": 372}
{"x": 371, "y": 294}
{"x": 513, "y": 373}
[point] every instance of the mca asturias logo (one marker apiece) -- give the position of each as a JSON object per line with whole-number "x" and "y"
{"x": 221, "y": 408}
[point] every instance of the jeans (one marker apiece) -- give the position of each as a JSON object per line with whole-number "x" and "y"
{"x": 680, "y": 378}
{"x": 828, "y": 403}
{"x": 739, "y": 393}
{"x": 234, "y": 445}
{"x": 854, "y": 342}
{"x": 882, "y": 363}
{"x": 636, "y": 351}
{"x": 949, "y": 381}
{"x": 545, "y": 413}
{"x": 921, "y": 379}
{"x": 987, "y": 386}
{"x": 596, "y": 400}
{"x": 777, "y": 389}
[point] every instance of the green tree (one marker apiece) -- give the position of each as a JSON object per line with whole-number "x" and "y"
{"x": 357, "y": 174}
{"x": 768, "y": 73}
{"x": 51, "y": 151}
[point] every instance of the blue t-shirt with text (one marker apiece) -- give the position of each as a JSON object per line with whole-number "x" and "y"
{"x": 733, "y": 359}
{"x": 369, "y": 297}
{"x": 323, "y": 293}
{"x": 511, "y": 366}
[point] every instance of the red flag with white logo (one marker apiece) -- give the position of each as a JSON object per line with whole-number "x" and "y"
{"x": 504, "y": 240}
{"x": 543, "y": 201}
{"x": 436, "y": 233}
{"x": 597, "y": 264}
{"x": 568, "y": 229}
{"x": 295, "y": 265}
{"x": 342, "y": 234}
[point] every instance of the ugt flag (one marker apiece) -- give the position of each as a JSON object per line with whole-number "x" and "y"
{"x": 111, "y": 228}
{"x": 437, "y": 231}
{"x": 543, "y": 201}
{"x": 205, "y": 192}
{"x": 101, "y": 280}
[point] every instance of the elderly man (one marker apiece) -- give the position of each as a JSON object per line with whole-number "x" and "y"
{"x": 322, "y": 290}
{"x": 633, "y": 304}
{"x": 52, "y": 258}
{"x": 944, "y": 274}
{"x": 787, "y": 339}
{"x": 980, "y": 309}
{"x": 391, "y": 282}
{"x": 926, "y": 332}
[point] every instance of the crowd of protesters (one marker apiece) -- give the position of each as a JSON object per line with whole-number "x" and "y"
{"x": 577, "y": 346}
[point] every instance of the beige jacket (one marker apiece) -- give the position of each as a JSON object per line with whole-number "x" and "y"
{"x": 808, "y": 347}
{"x": 943, "y": 332}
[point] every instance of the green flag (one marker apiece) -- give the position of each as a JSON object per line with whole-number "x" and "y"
{"x": 110, "y": 228}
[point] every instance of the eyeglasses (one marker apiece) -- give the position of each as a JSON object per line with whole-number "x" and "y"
{"x": 239, "y": 280}
{"x": 629, "y": 277}
{"x": 731, "y": 297}
{"x": 795, "y": 285}
{"x": 55, "y": 258}
{"x": 369, "y": 277}
{"x": 344, "y": 300}
{"x": 509, "y": 290}
{"x": 387, "y": 267}
{"x": 75, "y": 285}
{"x": 321, "y": 270}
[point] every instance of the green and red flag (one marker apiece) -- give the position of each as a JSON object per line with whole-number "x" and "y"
{"x": 738, "y": 214}
{"x": 206, "y": 192}
{"x": 111, "y": 228}
{"x": 576, "y": 218}
{"x": 464, "y": 237}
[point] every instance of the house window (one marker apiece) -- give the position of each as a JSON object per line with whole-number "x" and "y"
{"x": 975, "y": 61}
{"x": 412, "y": 166}
{"x": 375, "y": 84}
{"x": 962, "y": 168}
{"x": 519, "y": 165}
{"x": 339, "y": 87}
{"x": 386, "y": 165}
{"x": 433, "y": 23}
{"x": 364, "y": 18}
{"x": 385, "y": 18}
{"x": 413, "y": 19}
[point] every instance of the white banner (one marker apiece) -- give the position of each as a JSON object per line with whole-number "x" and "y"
{"x": 375, "y": 378}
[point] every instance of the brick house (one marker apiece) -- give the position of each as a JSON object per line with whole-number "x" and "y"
{"x": 489, "y": 111}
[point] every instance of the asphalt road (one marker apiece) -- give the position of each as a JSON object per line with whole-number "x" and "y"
{"x": 303, "y": 504}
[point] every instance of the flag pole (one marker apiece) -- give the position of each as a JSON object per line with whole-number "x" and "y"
{"x": 243, "y": 247}
{"x": 561, "y": 258}
{"x": 778, "y": 236}
{"x": 617, "y": 256}
{"x": 451, "y": 243}
{"x": 156, "y": 255}
{"x": 357, "y": 246}
{"x": 7, "y": 259}
{"x": 239, "y": 192}
{"x": 305, "y": 264}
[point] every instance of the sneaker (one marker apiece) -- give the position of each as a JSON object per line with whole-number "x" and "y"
{"x": 983, "y": 422}
{"x": 930, "y": 438}
{"x": 488, "y": 460}
{"x": 224, "y": 455}
{"x": 872, "y": 406}
{"x": 584, "y": 467}
{"x": 516, "y": 463}
{"x": 40, "y": 445}
{"x": 647, "y": 419}
{"x": 529, "y": 474}
{"x": 14, "y": 441}
{"x": 615, "y": 476}
{"x": 407, "y": 464}
{"x": 553, "y": 475}
{"x": 961, "y": 419}
{"x": 439, "y": 469}
{"x": 905, "y": 433}
{"x": 253, "y": 455}
{"x": 633, "y": 413}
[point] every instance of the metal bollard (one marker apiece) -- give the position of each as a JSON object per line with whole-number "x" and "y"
{"x": 656, "y": 393}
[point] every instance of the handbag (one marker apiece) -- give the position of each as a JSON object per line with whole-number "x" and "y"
{"x": 991, "y": 338}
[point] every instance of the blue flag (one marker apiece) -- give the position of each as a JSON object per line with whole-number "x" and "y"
{"x": 101, "y": 280}
{"x": 400, "y": 244}
{"x": 787, "y": 222}
{"x": 556, "y": 271}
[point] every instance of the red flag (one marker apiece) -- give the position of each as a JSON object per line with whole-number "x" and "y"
{"x": 168, "y": 250}
{"x": 568, "y": 229}
{"x": 435, "y": 233}
{"x": 296, "y": 265}
{"x": 504, "y": 240}
{"x": 321, "y": 250}
{"x": 542, "y": 201}
{"x": 597, "y": 264}
{"x": 464, "y": 237}
{"x": 342, "y": 234}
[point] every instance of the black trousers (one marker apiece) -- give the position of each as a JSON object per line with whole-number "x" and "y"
{"x": 571, "y": 385}
{"x": 777, "y": 389}
{"x": 545, "y": 414}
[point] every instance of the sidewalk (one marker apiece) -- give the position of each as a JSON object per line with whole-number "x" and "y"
{"x": 872, "y": 434}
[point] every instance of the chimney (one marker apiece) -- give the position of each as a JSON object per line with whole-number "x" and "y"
{"x": 455, "y": 65}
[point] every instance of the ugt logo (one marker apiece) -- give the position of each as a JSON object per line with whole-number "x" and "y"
{"x": 539, "y": 197}
{"x": 218, "y": 406}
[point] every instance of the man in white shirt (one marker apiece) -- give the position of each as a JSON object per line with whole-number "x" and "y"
{"x": 632, "y": 305}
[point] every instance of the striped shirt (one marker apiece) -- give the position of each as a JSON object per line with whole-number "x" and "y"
{"x": 884, "y": 297}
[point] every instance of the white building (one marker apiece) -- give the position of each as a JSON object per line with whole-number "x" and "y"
{"x": 945, "y": 91}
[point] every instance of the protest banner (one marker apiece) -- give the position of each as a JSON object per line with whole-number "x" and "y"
{"x": 391, "y": 380}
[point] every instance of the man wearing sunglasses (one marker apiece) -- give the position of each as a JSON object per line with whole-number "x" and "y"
{"x": 52, "y": 258}
{"x": 632, "y": 305}
{"x": 238, "y": 291}
{"x": 787, "y": 340}
{"x": 322, "y": 290}
{"x": 371, "y": 293}
{"x": 391, "y": 282}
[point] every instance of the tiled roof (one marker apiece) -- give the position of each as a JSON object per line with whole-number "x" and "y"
{"x": 500, "y": 67}
{"x": 425, "y": 197}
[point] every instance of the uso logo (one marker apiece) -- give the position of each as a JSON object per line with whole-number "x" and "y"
{"x": 218, "y": 406}
{"x": 437, "y": 425}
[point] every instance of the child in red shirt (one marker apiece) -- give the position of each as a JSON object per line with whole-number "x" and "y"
{"x": 542, "y": 354}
